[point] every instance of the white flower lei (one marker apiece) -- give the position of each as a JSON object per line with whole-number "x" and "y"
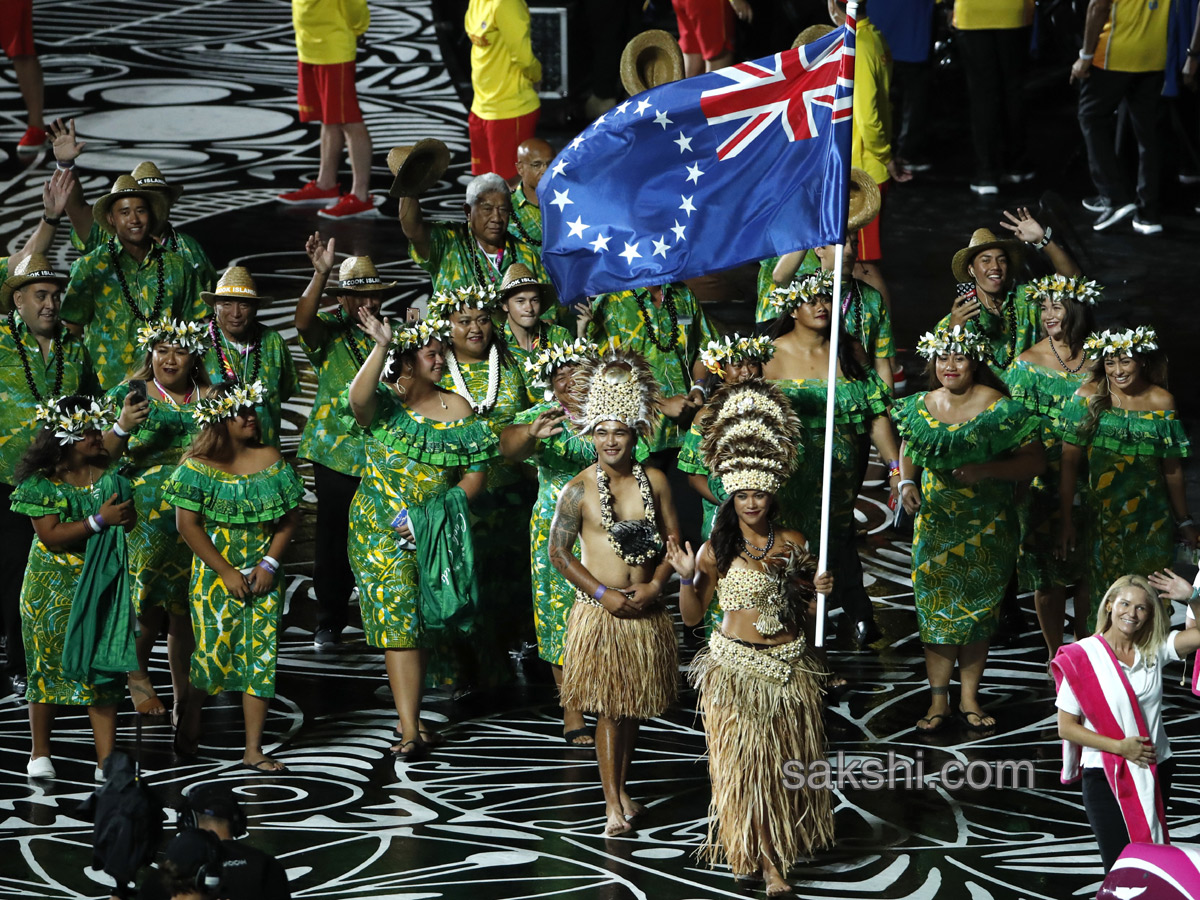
{"x": 493, "y": 387}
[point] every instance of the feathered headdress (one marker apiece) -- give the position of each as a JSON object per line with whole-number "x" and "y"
{"x": 1057, "y": 288}
{"x": 952, "y": 340}
{"x": 804, "y": 289}
{"x": 616, "y": 387}
{"x": 444, "y": 304}
{"x": 542, "y": 365}
{"x": 1142, "y": 339}
{"x": 188, "y": 335}
{"x": 212, "y": 410}
{"x": 734, "y": 347}
{"x": 751, "y": 436}
{"x": 70, "y": 427}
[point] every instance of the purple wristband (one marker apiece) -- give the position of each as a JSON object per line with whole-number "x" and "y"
{"x": 685, "y": 582}
{"x": 100, "y": 520}
{"x": 599, "y": 592}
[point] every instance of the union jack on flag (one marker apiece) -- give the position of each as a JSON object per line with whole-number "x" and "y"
{"x": 705, "y": 174}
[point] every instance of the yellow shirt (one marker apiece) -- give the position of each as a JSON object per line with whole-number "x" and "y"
{"x": 503, "y": 67}
{"x": 1134, "y": 39}
{"x": 970, "y": 15}
{"x": 327, "y": 30}
{"x": 871, "y": 138}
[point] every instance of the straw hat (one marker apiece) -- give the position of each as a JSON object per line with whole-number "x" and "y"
{"x": 35, "y": 267}
{"x": 651, "y": 59}
{"x": 417, "y": 168}
{"x": 517, "y": 276}
{"x": 864, "y": 201}
{"x": 982, "y": 239}
{"x": 810, "y": 34}
{"x": 357, "y": 275}
{"x": 235, "y": 284}
{"x": 126, "y": 186}
{"x": 147, "y": 175}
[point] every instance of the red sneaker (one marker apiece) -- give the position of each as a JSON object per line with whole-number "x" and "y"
{"x": 310, "y": 193}
{"x": 348, "y": 207}
{"x": 32, "y": 141}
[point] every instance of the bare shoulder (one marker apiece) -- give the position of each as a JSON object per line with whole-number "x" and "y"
{"x": 456, "y": 404}
{"x": 1160, "y": 398}
{"x": 266, "y": 455}
{"x": 706, "y": 559}
{"x": 1087, "y": 389}
{"x": 658, "y": 479}
{"x": 791, "y": 536}
{"x": 985, "y": 396}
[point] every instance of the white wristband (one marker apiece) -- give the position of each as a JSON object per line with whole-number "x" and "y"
{"x": 903, "y": 482}
{"x": 119, "y": 431}
{"x": 272, "y": 560}
{"x": 95, "y": 526}
{"x": 1086, "y": 56}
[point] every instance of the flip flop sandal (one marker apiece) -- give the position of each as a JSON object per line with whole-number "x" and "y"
{"x": 936, "y": 723}
{"x": 258, "y": 767}
{"x": 571, "y": 736}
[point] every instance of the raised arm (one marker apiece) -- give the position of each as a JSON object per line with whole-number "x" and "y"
{"x": 55, "y": 194}
{"x": 414, "y": 226}
{"x": 66, "y": 150}
{"x": 697, "y": 579}
{"x": 1026, "y": 228}
{"x": 362, "y": 388}
{"x": 517, "y": 442}
{"x": 787, "y": 267}
{"x": 311, "y": 328}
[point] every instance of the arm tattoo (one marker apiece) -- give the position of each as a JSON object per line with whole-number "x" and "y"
{"x": 564, "y": 529}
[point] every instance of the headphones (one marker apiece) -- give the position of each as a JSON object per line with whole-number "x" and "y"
{"x": 211, "y": 800}
{"x": 210, "y": 873}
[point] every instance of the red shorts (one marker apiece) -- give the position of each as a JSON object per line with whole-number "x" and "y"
{"x": 869, "y": 247}
{"x": 327, "y": 94}
{"x": 705, "y": 27}
{"x": 16, "y": 28}
{"x": 494, "y": 142}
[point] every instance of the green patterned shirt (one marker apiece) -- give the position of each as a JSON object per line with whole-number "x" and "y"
{"x": 175, "y": 241}
{"x": 451, "y": 247}
{"x": 276, "y": 370}
{"x": 1004, "y": 348}
{"x": 617, "y": 322}
{"x": 529, "y": 215}
{"x": 93, "y": 300}
{"x": 17, "y": 404}
{"x": 328, "y": 438}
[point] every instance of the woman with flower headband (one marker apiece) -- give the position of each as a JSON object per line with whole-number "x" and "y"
{"x": 800, "y": 335}
{"x": 1123, "y": 421}
{"x": 422, "y": 443}
{"x": 548, "y": 433}
{"x": 1043, "y": 379}
{"x": 759, "y": 685}
{"x": 67, "y": 485}
{"x": 966, "y": 445}
{"x": 153, "y": 432}
{"x": 236, "y": 504}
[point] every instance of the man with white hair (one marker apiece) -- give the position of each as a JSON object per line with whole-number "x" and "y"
{"x": 475, "y": 252}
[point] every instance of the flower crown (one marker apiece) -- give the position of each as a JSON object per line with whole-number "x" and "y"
{"x": 415, "y": 335}
{"x": 734, "y": 347}
{"x": 70, "y": 428}
{"x": 443, "y": 304}
{"x": 542, "y": 365}
{"x": 1142, "y": 339}
{"x": 217, "y": 409}
{"x": 952, "y": 340}
{"x": 805, "y": 289}
{"x": 1057, "y": 288}
{"x": 188, "y": 335}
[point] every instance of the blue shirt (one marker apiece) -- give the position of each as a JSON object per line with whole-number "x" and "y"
{"x": 907, "y": 26}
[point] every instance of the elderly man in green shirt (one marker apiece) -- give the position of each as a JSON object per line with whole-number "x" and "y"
{"x": 533, "y": 158}
{"x": 39, "y": 361}
{"x": 666, "y": 325}
{"x": 127, "y": 281}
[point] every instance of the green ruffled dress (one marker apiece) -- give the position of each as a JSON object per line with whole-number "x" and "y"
{"x": 49, "y": 589}
{"x": 409, "y": 459}
{"x": 1044, "y": 392}
{"x": 966, "y": 536}
{"x": 236, "y": 641}
{"x": 1130, "y": 528}
{"x": 160, "y": 560}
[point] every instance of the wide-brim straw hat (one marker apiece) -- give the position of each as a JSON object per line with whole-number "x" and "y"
{"x": 357, "y": 275}
{"x": 864, "y": 201}
{"x": 235, "y": 284}
{"x": 417, "y": 168}
{"x": 148, "y": 176}
{"x": 651, "y": 59}
{"x": 982, "y": 239}
{"x": 127, "y": 186}
{"x": 33, "y": 268}
{"x": 518, "y": 276}
{"x": 810, "y": 34}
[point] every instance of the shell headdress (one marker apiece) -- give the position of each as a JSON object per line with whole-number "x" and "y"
{"x": 733, "y": 347}
{"x": 616, "y": 387}
{"x": 190, "y": 336}
{"x": 1142, "y": 339}
{"x": 751, "y": 436}
{"x": 952, "y": 340}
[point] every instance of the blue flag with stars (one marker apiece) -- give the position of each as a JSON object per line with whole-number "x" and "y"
{"x": 704, "y": 174}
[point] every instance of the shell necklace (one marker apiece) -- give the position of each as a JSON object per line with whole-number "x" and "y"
{"x": 493, "y": 382}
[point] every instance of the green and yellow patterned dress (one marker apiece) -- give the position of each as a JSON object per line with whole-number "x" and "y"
{"x": 160, "y": 560}
{"x": 409, "y": 460}
{"x": 456, "y": 259}
{"x": 236, "y": 641}
{"x": 1044, "y": 392}
{"x": 1131, "y": 530}
{"x": 49, "y": 589}
{"x": 766, "y": 284}
{"x": 268, "y": 360}
{"x": 1006, "y": 342}
{"x": 691, "y": 463}
{"x": 966, "y": 536}
{"x": 328, "y": 437}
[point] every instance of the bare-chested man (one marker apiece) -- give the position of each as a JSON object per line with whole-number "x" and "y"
{"x": 620, "y": 656}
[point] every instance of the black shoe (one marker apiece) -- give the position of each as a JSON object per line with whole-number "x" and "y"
{"x": 326, "y": 637}
{"x": 1113, "y": 215}
{"x": 866, "y": 632}
{"x": 20, "y": 684}
{"x": 1097, "y": 204}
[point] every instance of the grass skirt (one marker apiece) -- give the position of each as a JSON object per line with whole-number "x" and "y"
{"x": 761, "y": 708}
{"x": 619, "y": 668}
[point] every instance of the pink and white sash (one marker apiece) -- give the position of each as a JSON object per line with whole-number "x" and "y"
{"x": 1111, "y": 709}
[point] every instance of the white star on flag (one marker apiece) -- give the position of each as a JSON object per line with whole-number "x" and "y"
{"x": 577, "y": 227}
{"x": 642, "y": 106}
{"x": 561, "y": 199}
{"x": 660, "y": 247}
{"x": 686, "y": 205}
{"x": 624, "y": 106}
{"x": 630, "y": 252}
{"x": 679, "y": 229}
{"x": 600, "y": 243}
{"x": 694, "y": 173}
{"x": 575, "y": 143}
{"x": 685, "y": 143}
{"x": 599, "y": 121}
{"x": 661, "y": 119}
{"x": 559, "y": 166}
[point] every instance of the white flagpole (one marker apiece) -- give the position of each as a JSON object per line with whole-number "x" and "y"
{"x": 827, "y": 465}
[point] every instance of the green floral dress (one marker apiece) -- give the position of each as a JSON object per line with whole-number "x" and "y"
{"x": 409, "y": 459}
{"x": 268, "y": 360}
{"x": 236, "y": 641}
{"x": 160, "y": 560}
{"x": 49, "y": 589}
{"x": 966, "y": 536}
{"x": 1131, "y": 530}
{"x": 1044, "y": 392}
{"x": 691, "y": 463}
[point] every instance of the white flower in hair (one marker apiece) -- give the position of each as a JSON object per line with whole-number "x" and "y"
{"x": 1142, "y": 339}
{"x": 805, "y": 289}
{"x": 952, "y": 340}
{"x": 1057, "y": 288}
{"x": 715, "y": 354}
{"x": 542, "y": 365}
{"x": 188, "y": 335}
{"x": 70, "y": 427}
{"x": 444, "y": 304}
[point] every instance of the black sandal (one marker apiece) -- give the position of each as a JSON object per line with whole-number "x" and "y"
{"x": 419, "y": 751}
{"x": 936, "y": 723}
{"x": 570, "y": 736}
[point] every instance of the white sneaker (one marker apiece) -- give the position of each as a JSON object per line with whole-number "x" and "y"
{"x": 42, "y": 767}
{"x": 99, "y": 776}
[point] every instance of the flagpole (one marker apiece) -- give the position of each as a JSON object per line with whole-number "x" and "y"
{"x": 827, "y": 464}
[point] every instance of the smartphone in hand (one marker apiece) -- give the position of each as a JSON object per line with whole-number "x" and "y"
{"x": 137, "y": 390}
